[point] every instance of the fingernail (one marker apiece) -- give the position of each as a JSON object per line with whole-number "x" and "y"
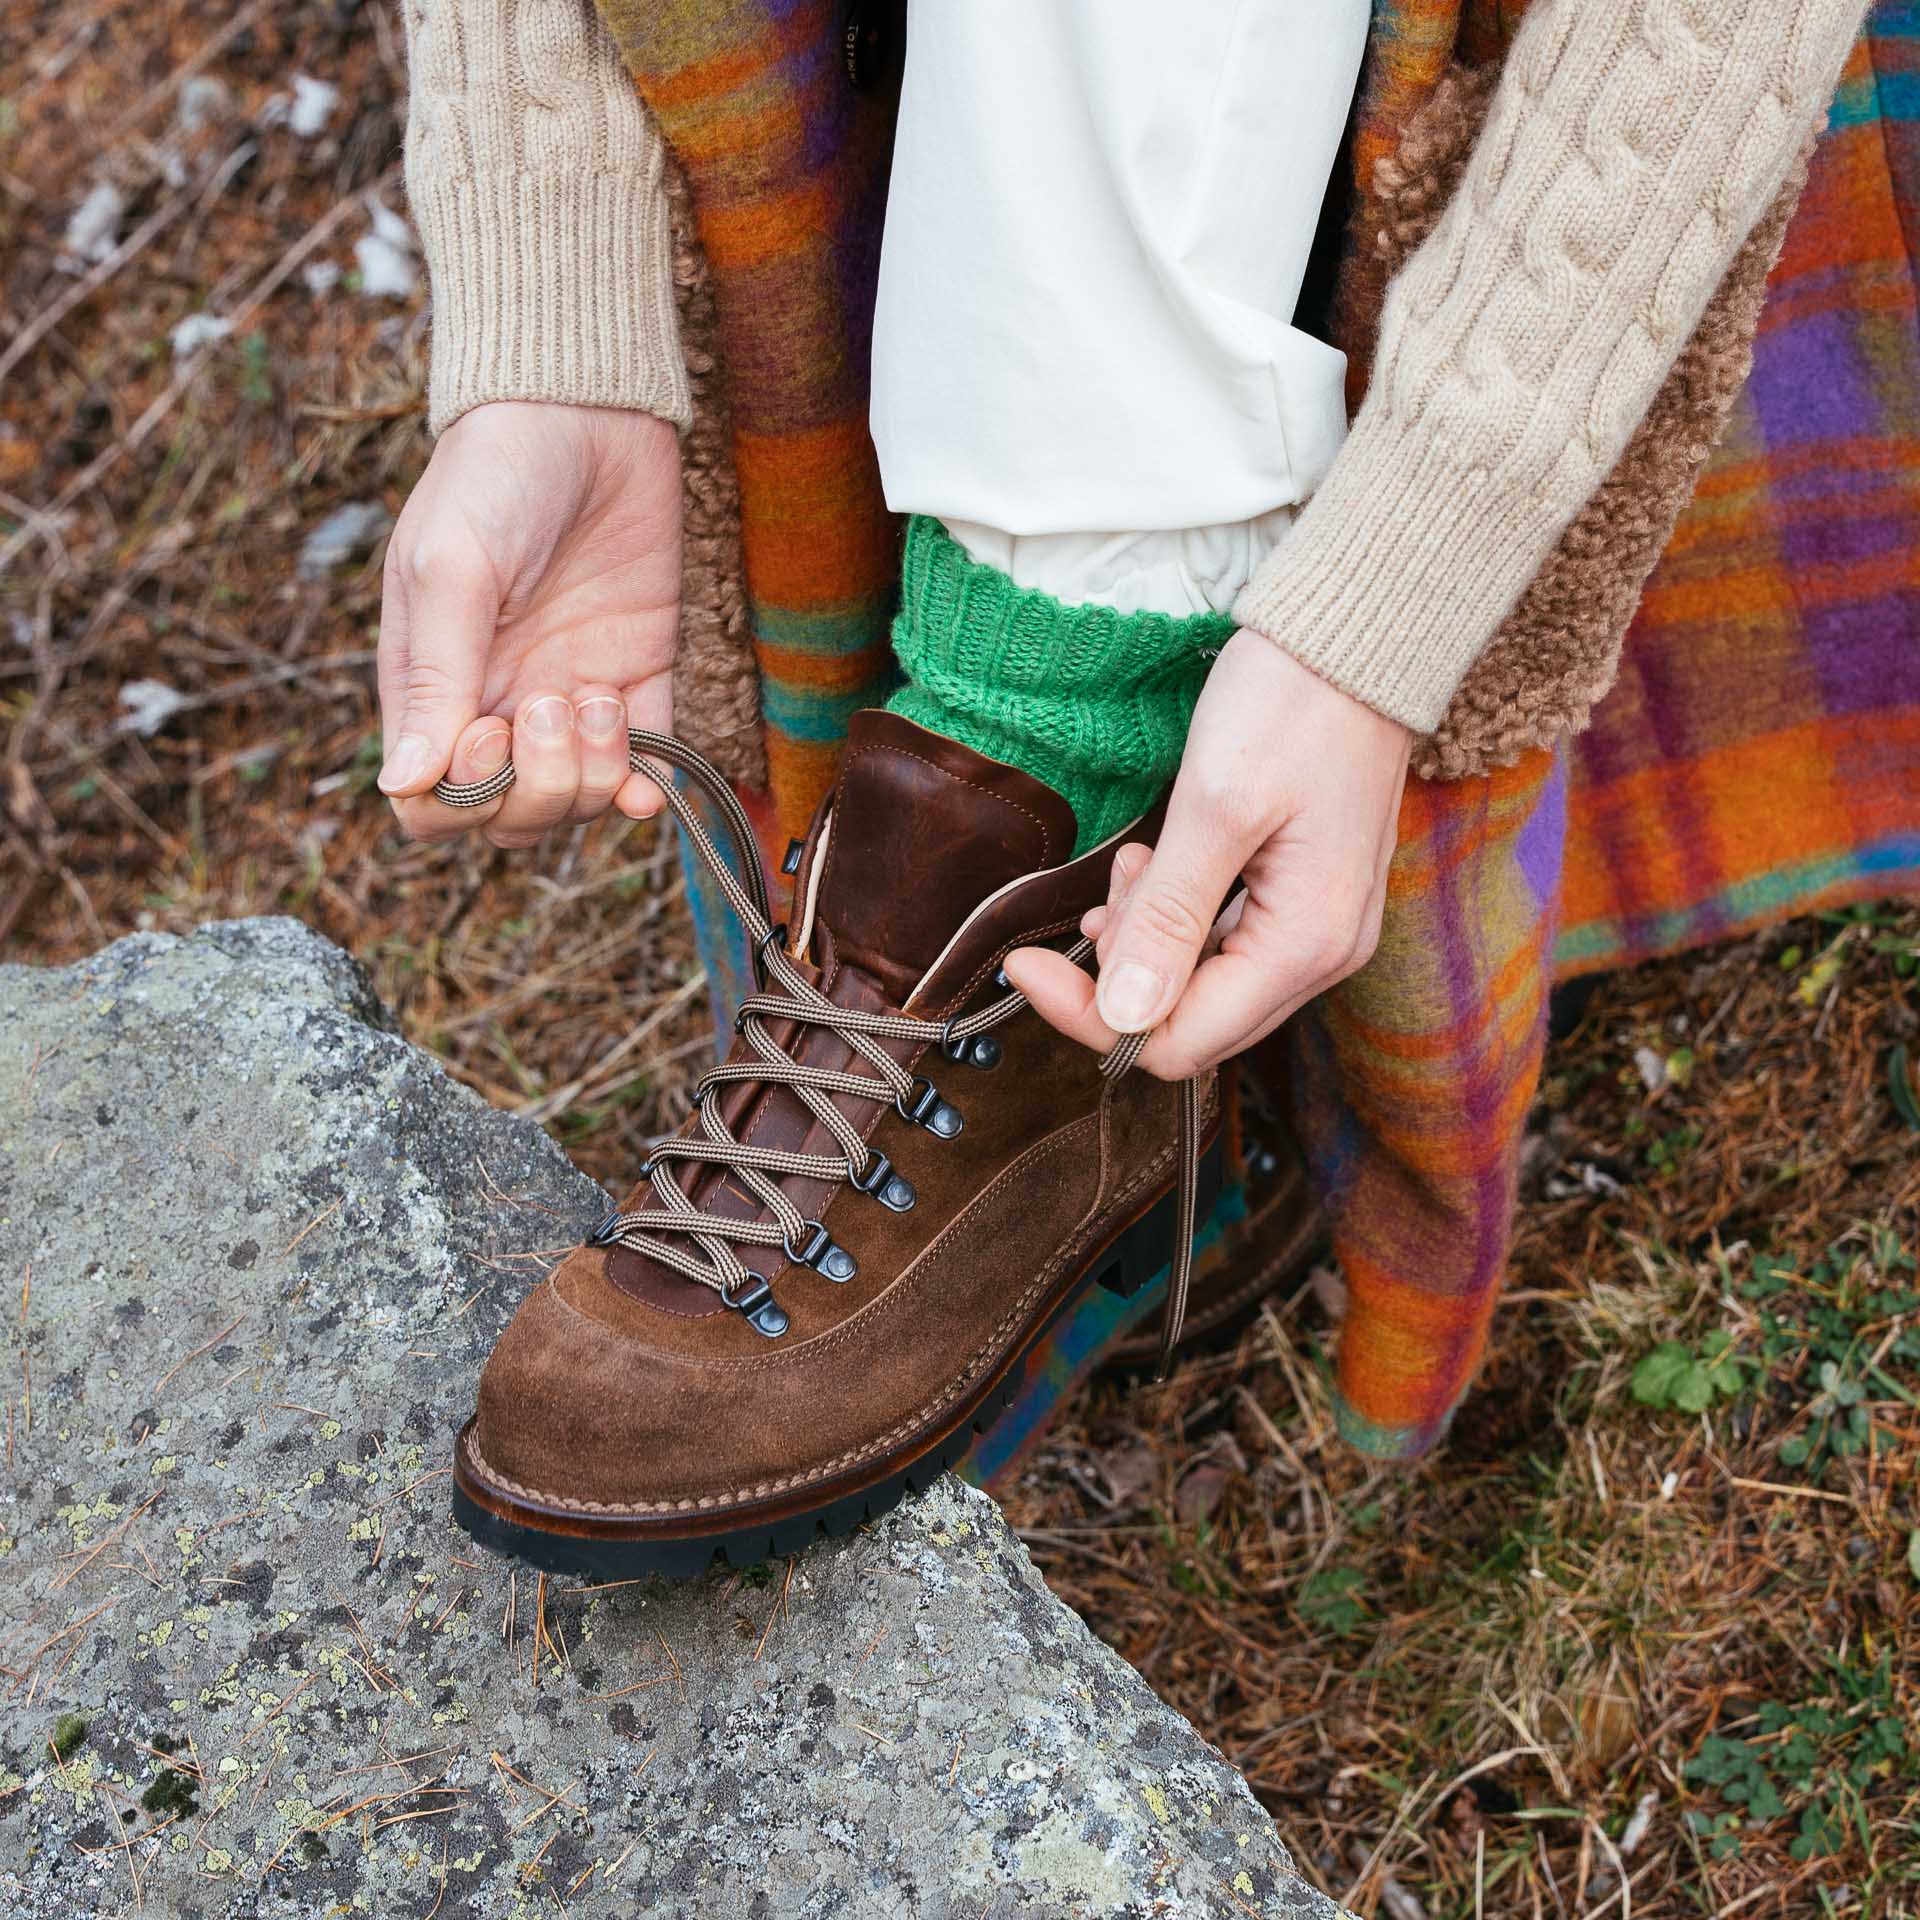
{"x": 1129, "y": 996}
{"x": 490, "y": 751}
{"x": 601, "y": 719}
{"x": 406, "y": 762}
{"x": 550, "y": 719}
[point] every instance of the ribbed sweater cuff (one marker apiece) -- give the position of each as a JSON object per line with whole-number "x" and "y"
{"x": 1399, "y": 571}
{"x": 555, "y": 287}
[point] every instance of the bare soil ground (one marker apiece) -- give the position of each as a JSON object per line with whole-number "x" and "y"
{"x": 1643, "y": 1638}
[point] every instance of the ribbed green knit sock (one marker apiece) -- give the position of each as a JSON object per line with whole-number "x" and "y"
{"x": 1095, "y": 703}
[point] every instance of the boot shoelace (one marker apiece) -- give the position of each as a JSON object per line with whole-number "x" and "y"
{"x": 660, "y": 1232}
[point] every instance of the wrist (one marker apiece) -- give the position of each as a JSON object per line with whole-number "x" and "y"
{"x": 1300, "y": 694}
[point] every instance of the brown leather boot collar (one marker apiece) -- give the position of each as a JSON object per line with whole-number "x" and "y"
{"x": 1023, "y": 912}
{"x": 922, "y": 829}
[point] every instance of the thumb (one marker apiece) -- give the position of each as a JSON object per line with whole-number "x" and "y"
{"x": 1158, "y": 930}
{"x": 437, "y": 619}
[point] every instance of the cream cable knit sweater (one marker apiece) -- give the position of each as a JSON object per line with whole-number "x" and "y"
{"x": 1631, "y": 147}
{"x": 535, "y": 177}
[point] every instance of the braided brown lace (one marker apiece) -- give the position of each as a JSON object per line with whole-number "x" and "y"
{"x": 661, "y": 1232}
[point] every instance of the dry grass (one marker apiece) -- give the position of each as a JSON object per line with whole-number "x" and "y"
{"x": 159, "y": 507}
{"x": 1454, "y": 1686}
{"x": 1464, "y": 1680}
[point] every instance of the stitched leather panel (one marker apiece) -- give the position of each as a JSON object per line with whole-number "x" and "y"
{"x": 1054, "y": 899}
{"x": 924, "y": 829}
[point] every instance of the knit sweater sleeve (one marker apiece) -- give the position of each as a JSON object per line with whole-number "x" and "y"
{"x": 535, "y": 177}
{"x": 1630, "y": 149}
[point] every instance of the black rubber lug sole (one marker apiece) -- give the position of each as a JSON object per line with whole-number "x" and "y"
{"x": 1126, "y": 1265}
{"x": 747, "y": 1546}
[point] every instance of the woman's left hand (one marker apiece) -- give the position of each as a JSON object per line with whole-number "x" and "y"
{"x": 1288, "y": 785}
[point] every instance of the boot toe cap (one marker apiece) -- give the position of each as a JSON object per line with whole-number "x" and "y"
{"x": 565, "y": 1415}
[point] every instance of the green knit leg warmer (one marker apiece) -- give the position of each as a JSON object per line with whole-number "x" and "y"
{"x": 1095, "y": 703}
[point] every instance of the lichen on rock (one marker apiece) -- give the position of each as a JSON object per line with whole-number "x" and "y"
{"x": 263, "y": 1246}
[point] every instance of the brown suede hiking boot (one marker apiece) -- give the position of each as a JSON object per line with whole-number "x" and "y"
{"x": 825, "y": 1281}
{"x": 1271, "y": 1250}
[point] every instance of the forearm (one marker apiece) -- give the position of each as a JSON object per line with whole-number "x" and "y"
{"x": 1628, "y": 153}
{"x": 535, "y": 178}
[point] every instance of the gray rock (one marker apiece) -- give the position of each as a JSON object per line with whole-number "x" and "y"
{"x": 270, "y": 1244}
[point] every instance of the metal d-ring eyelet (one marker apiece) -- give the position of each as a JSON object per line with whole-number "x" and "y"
{"x": 820, "y": 1252}
{"x": 760, "y": 954}
{"x": 980, "y": 1050}
{"x": 922, "y": 1104}
{"x": 893, "y": 1190}
{"x": 755, "y": 1299}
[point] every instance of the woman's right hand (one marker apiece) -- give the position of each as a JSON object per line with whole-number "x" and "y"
{"x": 531, "y": 605}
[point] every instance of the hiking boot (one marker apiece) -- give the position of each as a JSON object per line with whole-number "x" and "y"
{"x": 825, "y": 1282}
{"x": 1270, "y": 1248}
{"x": 1261, "y": 1239}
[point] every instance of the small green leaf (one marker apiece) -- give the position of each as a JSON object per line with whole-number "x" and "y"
{"x": 1913, "y": 1553}
{"x": 1693, "y": 1392}
{"x": 1900, "y": 1085}
{"x": 1657, "y": 1376}
{"x": 1772, "y": 1274}
{"x": 1327, "y": 1599}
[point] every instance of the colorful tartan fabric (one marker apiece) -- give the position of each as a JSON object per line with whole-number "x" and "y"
{"x": 787, "y": 165}
{"x": 1761, "y": 755}
{"x": 1411, "y": 1085}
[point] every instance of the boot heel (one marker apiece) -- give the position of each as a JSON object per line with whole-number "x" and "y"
{"x": 1143, "y": 1252}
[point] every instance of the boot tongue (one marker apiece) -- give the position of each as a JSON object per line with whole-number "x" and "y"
{"x": 923, "y": 830}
